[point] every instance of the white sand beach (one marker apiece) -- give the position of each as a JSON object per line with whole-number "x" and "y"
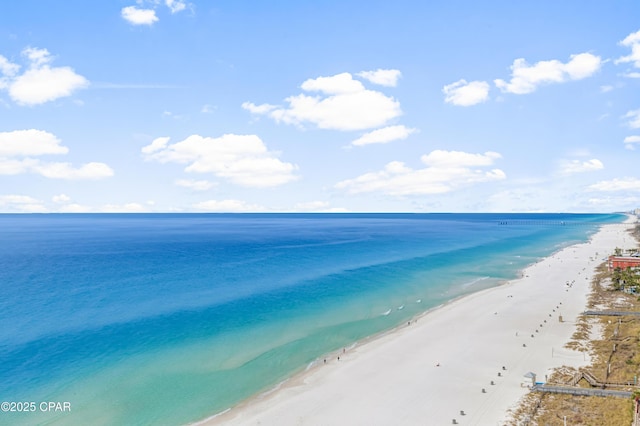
{"x": 428, "y": 371}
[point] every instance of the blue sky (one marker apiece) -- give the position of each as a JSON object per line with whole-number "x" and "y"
{"x": 195, "y": 106}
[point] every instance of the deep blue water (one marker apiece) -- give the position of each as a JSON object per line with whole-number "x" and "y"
{"x": 169, "y": 318}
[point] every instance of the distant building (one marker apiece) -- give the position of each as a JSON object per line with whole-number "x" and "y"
{"x": 623, "y": 262}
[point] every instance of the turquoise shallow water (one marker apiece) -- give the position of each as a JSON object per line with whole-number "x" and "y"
{"x": 167, "y": 319}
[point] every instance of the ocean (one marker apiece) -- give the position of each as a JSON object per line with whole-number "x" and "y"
{"x": 167, "y": 319}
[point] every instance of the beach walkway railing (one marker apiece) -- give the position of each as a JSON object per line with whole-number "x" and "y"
{"x": 613, "y": 313}
{"x": 581, "y": 391}
{"x": 594, "y": 382}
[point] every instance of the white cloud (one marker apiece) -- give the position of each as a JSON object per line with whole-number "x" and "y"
{"x": 440, "y": 158}
{"x": 173, "y": 115}
{"x": 157, "y": 145}
{"x": 61, "y": 198}
{"x": 68, "y": 172}
{"x": 227, "y": 206}
{"x": 19, "y": 146}
{"x": 318, "y": 207}
{"x": 29, "y": 142}
{"x": 625, "y": 184}
{"x": 633, "y": 118}
{"x": 632, "y": 41}
{"x": 632, "y": 75}
{"x": 312, "y": 206}
{"x": 40, "y": 83}
{"x": 258, "y": 109}
{"x": 629, "y": 142}
{"x": 175, "y": 5}
{"x": 526, "y": 78}
{"x": 7, "y": 70}
{"x": 523, "y": 199}
{"x": 124, "y": 208}
{"x": 617, "y": 203}
{"x": 136, "y": 16}
{"x": 89, "y": 171}
{"x": 343, "y": 104}
{"x": 147, "y": 16}
{"x": 333, "y": 85}
{"x": 10, "y": 166}
{"x": 21, "y": 204}
{"x": 384, "y": 135}
{"x": 37, "y": 57}
{"x": 446, "y": 171}
{"x": 581, "y": 66}
{"x": 606, "y": 88}
{"x": 577, "y": 166}
{"x": 387, "y": 78}
{"x": 463, "y": 93}
{"x": 195, "y": 185}
{"x": 336, "y": 210}
{"x": 207, "y": 109}
{"x": 17, "y": 199}
{"x": 74, "y": 208}
{"x": 242, "y": 159}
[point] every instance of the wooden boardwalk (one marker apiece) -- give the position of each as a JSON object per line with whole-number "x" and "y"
{"x": 613, "y": 313}
{"x": 593, "y": 382}
{"x": 581, "y": 391}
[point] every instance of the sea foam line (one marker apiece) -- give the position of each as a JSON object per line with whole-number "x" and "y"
{"x": 475, "y": 281}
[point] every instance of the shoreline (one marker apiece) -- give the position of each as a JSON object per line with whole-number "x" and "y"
{"x": 334, "y": 392}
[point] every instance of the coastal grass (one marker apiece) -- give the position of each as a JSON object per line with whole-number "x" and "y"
{"x": 578, "y": 410}
{"x": 613, "y": 344}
